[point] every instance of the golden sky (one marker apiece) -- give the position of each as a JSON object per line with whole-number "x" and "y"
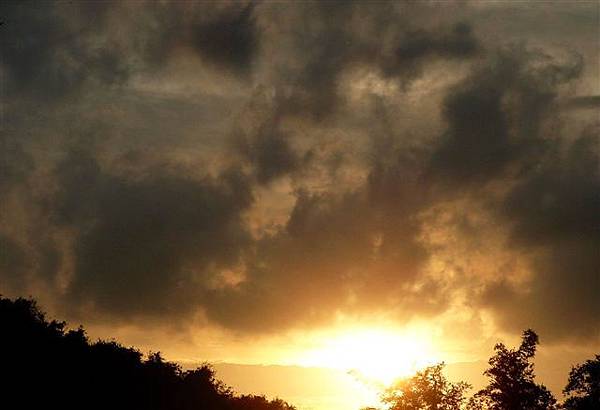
{"x": 338, "y": 192}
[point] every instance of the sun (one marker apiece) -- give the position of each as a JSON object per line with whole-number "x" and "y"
{"x": 374, "y": 355}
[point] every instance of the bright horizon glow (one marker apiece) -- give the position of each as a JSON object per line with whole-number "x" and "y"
{"x": 374, "y": 356}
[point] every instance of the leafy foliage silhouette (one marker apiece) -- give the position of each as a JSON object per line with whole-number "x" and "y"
{"x": 512, "y": 385}
{"x": 583, "y": 387}
{"x": 43, "y": 365}
{"x": 427, "y": 390}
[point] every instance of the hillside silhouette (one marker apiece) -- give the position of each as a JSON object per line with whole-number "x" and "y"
{"x": 44, "y": 365}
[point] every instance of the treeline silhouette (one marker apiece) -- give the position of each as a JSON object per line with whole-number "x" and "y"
{"x": 511, "y": 385}
{"x": 45, "y": 366}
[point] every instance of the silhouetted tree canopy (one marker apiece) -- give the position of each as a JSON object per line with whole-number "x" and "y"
{"x": 427, "y": 390}
{"x": 512, "y": 385}
{"x": 583, "y": 387}
{"x": 43, "y": 365}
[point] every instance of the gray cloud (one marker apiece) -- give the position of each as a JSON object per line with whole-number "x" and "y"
{"x": 494, "y": 115}
{"x": 131, "y": 201}
{"x": 269, "y": 151}
{"x": 504, "y": 128}
{"x": 159, "y": 238}
{"x": 347, "y": 35}
{"x": 334, "y": 255}
{"x": 591, "y": 101}
{"x": 49, "y": 55}
{"x": 13, "y": 264}
{"x": 554, "y": 215}
{"x": 416, "y": 47}
{"x": 231, "y": 40}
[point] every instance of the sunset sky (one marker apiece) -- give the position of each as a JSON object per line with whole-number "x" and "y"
{"x": 317, "y": 196}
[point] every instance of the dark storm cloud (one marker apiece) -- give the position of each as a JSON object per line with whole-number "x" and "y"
{"x": 335, "y": 254}
{"x": 54, "y": 49}
{"x": 15, "y": 162}
{"x": 321, "y": 240}
{"x": 415, "y": 47}
{"x": 355, "y": 251}
{"x": 272, "y": 155}
{"x": 324, "y": 52}
{"x": 591, "y": 101}
{"x": 13, "y": 264}
{"x": 502, "y": 124}
{"x": 230, "y": 40}
{"x": 157, "y": 239}
{"x": 47, "y": 54}
{"x": 346, "y": 35}
{"x": 554, "y": 215}
{"x": 494, "y": 115}
{"x": 134, "y": 203}
{"x": 559, "y": 199}
{"x": 269, "y": 151}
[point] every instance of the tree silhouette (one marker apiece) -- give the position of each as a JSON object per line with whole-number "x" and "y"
{"x": 42, "y": 365}
{"x": 583, "y": 387}
{"x": 427, "y": 390}
{"x": 512, "y": 385}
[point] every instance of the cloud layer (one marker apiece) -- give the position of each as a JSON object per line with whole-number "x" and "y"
{"x": 266, "y": 167}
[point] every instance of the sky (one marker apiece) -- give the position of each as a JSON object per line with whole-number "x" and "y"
{"x": 358, "y": 188}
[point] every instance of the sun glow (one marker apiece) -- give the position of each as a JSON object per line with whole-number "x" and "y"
{"x": 374, "y": 356}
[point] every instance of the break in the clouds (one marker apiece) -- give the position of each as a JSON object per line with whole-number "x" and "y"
{"x": 267, "y": 166}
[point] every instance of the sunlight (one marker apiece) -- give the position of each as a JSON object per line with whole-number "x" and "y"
{"x": 374, "y": 356}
